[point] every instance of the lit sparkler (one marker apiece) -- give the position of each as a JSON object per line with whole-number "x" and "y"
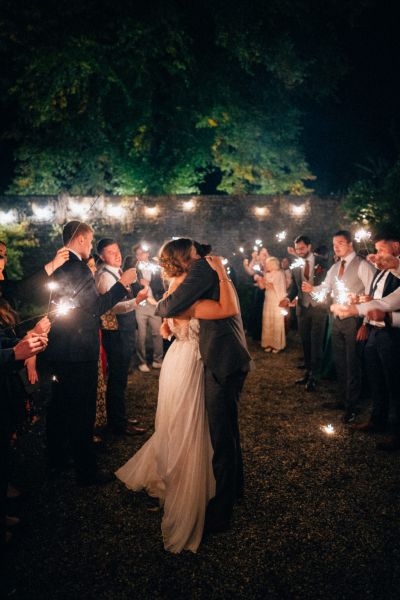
{"x": 284, "y": 312}
{"x": 362, "y": 235}
{"x": 320, "y": 295}
{"x": 328, "y": 429}
{"x": 341, "y": 292}
{"x": 299, "y": 262}
{"x": 52, "y": 285}
{"x": 148, "y": 266}
{"x": 256, "y": 268}
{"x": 281, "y": 236}
{"x": 258, "y": 242}
{"x": 63, "y": 307}
{"x": 241, "y": 249}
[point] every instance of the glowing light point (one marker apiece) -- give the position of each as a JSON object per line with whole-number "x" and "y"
{"x": 281, "y": 236}
{"x": 42, "y": 213}
{"x": 241, "y": 249}
{"x": 299, "y": 262}
{"x": 328, "y": 429}
{"x": 284, "y": 312}
{"x": 189, "y": 205}
{"x": 362, "y": 235}
{"x": 6, "y": 218}
{"x": 52, "y": 285}
{"x": 115, "y": 211}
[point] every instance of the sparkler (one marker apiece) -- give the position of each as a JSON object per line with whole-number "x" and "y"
{"x": 362, "y": 235}
{"x": 299, "y": 262}
{"x": 256, "y": 268}
{"x": 258, "y": 242}
{"x": 241, "y": 249}
{"x": 284, "y": 312}
{"x": 341, "y": 292}
{"x": 328, "y": 429}
{"x": 320, "y": 295}
{"x": 281, "y": 236}
{"x": 52, "y": 285}
{"x": 63, "y": 307}
{"x": 225, "y": 261}
{"x": 255, "y": 248}
{"x": 148, "y": 266}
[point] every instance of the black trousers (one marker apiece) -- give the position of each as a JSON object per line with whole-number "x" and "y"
{"x": 381, "y": 353}
{"x": 347, "y": 355}
{"x": 119, "y": 347}
{"x": 71, "y": 416}
{"x": 312, "y": 325}
{"x": 222, "y": 399}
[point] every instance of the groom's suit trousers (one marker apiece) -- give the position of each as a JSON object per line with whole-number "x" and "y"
{"x": 222, "y": 397}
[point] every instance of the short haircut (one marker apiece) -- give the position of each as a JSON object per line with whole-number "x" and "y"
{"x": 74, "y": 228}
{"x": 344, "y": 233}
{"x": 386, "y": 234}
{"x": 202, "y": 249}
{"x": 104, "y": 243}
{"x": 302, "y": 238}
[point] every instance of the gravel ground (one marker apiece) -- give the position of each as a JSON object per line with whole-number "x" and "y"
{"x": 319, "y": 519}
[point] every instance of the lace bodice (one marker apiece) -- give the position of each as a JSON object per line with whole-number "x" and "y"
{"x": 185, "y": 330}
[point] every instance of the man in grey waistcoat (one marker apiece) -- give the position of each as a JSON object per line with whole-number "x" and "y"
{"x": 350, "y": 274}
{"x": 311, "y": 315}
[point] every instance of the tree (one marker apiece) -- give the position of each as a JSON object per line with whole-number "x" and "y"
{"x": 110, "y": 101}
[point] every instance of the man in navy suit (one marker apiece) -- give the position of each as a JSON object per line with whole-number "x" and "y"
{"x": 73, "y": 354}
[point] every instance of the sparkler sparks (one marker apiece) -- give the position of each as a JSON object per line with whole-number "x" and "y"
{"x": 284, "y": 312}
{"x": 328, "y": 429}
{"x": 241, "y": 249}
{"x": 341, "y": 292}
{"x": 362, "y": 235}
{"x": 299, "y": 262}
{"x": 281, "y": 236}
{"x": 63, "y": 307}
{"x": 320, "y": 295}
{"x": 52, "y": 285}
{"x": 258, "y": 242}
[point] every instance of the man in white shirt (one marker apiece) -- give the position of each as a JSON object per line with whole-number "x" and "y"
{"x": 118, "y": 337}
{"x": 350, "y": 274}
{"x": 149, "y": 275}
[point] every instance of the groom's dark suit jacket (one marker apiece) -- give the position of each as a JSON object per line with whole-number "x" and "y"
{"x": 75, "y": 336}
{"x": 223, "y": 345}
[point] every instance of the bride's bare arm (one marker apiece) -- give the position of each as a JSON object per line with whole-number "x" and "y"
{"x": 227, "y": 306}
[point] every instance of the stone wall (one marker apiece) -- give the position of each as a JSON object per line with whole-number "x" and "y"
{"x": 226, "y": 222}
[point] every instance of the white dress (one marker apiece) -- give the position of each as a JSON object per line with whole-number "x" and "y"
{"x": 175, "y": 464}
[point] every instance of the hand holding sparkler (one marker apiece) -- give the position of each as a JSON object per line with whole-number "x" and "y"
{"x": 29, "y": 346}
{"x": 384, "y": 261}
{"x": 285, "y": 302}
{"x": 62, "y": 255}
{"x": 307, "y": 287}
{"x": 42, "y": 327}
{"x": 128, "y": 277}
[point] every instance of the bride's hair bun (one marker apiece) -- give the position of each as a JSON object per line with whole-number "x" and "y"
{"x": 175, "y": 257}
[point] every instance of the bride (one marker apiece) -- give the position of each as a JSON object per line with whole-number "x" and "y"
{"x": 175, "y": 464}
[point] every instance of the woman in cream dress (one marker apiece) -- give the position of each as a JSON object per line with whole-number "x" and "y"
{"x": 273, "y": 337}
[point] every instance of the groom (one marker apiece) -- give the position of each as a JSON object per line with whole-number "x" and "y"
{"x": 224, "y": 352}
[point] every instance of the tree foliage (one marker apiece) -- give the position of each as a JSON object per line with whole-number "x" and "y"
{"x": 110, "y": 99}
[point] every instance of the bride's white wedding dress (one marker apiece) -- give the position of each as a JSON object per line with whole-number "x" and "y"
{"x": 175, "y": 464}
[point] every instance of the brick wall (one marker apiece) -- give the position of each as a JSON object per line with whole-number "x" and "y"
{"x": 226, "y": 222}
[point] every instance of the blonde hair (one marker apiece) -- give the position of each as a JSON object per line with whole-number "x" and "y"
{"x": 273, "y": 260}
{"x": 175, "y": 257}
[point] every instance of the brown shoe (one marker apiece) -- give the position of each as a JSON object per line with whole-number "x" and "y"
{"x": 390, "y": 444}
{"x": 368, "y": 427}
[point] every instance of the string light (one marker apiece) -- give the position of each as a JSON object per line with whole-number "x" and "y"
{"x": 6, "y": 218}
{"x": 328, "y": 429}
{"x": 189, "y": 205}
{"x": 284, "y": 312}
{"x": 115, "y": 211}
{"x": 42, "y": 213}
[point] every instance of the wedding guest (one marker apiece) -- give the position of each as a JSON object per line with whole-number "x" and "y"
{"x": 32, "y": 287}
{"x": 311, "y": 314}
{"x": 354, "y": 274}
{"x": 73, "y": 354}
{"x": 118, "y": 335}
{"x": 273, "y": 337}
{"x": 149, "y": 275}
{"x": 255, "y": 268}
{"x": 382, "y": 350}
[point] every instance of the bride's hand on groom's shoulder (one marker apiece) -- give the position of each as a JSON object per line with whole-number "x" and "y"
{"x": 215, "y": 263}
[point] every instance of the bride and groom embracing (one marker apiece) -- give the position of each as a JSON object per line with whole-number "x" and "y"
{"x": 193, "y": 461}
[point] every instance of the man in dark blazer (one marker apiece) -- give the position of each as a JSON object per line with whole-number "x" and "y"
{"x": 227, "y": 361}
{"x": 382, "y": 350}
{"x": 311, "y": 315}
{"x": 73, "y": 354}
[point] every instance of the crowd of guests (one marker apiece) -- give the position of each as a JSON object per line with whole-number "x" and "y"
{"x": 111, "y": 324}
{"x": 349, "y": 305}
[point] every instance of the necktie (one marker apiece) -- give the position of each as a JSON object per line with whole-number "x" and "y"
{"x": 375, "y": 283}
{"x": 307, "y": 270}
{"x": 341, "y": 269}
